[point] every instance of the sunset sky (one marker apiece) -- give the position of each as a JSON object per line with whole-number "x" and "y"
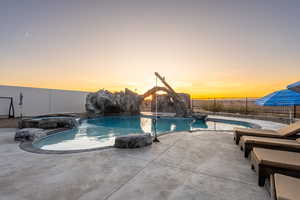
{"x": 207, "y": 48}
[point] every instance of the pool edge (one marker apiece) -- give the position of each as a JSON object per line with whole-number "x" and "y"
{"x": 29, "y": 147}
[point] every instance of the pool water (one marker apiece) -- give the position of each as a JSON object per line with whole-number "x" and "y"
{"x": 100, "y": 132}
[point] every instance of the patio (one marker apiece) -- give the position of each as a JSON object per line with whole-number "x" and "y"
{"x": 199, "y": 165}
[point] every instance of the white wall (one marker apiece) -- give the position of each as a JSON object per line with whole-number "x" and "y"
{"x": 38, "y": 101}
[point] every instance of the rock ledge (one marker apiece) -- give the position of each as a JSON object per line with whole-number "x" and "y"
{"x": 29, "y": 134}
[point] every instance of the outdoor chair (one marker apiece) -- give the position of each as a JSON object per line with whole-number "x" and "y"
{"x": 284, "y": 187}
{"x": 268, "y": 161}
{"x": 288, "y": 132}
{"x": 247, "y": 143}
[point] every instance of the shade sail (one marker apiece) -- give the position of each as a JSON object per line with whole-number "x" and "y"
{"x": 295, "y": 87}
{"x": 280, "y": 98}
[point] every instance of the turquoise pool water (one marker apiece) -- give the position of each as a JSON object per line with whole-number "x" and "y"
{"x": 100, "y": 132}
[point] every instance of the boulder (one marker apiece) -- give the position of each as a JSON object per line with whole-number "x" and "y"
{"x": 29, "y": 134}
{"x": 133, "y": 141}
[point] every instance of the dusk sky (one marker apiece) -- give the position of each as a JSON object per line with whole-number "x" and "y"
{"x": 207, "y": 48}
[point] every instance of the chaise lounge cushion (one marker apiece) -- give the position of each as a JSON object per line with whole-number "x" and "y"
{"x": 275, "y": 142}
{"x": 252, "y": 131}
{"x": 285, "y": 132}
{"x": 290, "y": 129}
{"x": 279, "y": 159}
{"x": 286, "y": 187}
{"x": 239, "y": 132}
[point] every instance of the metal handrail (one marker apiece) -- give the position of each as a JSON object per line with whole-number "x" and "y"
{"x": 11, "y": 112}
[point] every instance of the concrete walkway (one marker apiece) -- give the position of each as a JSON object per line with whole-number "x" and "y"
{"x": 199, "y": 165}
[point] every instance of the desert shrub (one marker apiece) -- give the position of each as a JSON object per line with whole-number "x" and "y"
{"x": 213, "y": 106}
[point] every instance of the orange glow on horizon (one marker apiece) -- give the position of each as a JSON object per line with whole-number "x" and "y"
{"x": 208, "y": 90}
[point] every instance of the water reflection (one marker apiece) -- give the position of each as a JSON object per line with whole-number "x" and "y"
{"x": 199, "y": 124}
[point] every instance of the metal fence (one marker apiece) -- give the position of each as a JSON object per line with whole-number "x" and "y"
{"x": 244, "y": 105}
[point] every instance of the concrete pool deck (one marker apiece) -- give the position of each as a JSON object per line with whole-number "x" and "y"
{"x": 199, "y": 165}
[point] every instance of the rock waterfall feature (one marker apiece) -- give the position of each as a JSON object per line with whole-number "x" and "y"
{"x": 105, "y": 102}
{"x": 128, "y": 102}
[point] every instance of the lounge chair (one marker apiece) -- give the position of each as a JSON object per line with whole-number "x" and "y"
{"x": 247, "y": 143}
{"x": 268, "y": 161}
{"x": 286, "y": 132}
{"x": 284, "y": 187}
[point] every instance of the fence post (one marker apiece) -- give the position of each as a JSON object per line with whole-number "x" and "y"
{"x": 246, "y": 108}
{"x": 215, "y": 104}
{"x": 295, "y": 111}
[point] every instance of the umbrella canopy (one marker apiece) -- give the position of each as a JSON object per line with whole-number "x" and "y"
{"x": 280, "y": 98}
{"x": 295, "y": 87}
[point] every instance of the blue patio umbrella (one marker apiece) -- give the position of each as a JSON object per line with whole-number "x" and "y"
{"x": 281, "y": 98}
{"x": 295, "y": 87}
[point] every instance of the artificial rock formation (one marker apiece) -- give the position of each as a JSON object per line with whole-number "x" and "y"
{"x": 165, "y": 103}
{"x": 128, "y": 102}
{"x": 105, "y": 102}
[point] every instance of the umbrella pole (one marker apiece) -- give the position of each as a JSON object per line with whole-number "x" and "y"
{"x": 291, "y": 115}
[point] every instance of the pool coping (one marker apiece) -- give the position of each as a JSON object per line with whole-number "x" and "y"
{"x": 29, "y": 147}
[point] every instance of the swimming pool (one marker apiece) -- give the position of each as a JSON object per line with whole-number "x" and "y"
{"x": 101, "y": 132}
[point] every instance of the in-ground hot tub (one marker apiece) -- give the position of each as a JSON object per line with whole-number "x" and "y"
{"x": 101, "y": 132}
